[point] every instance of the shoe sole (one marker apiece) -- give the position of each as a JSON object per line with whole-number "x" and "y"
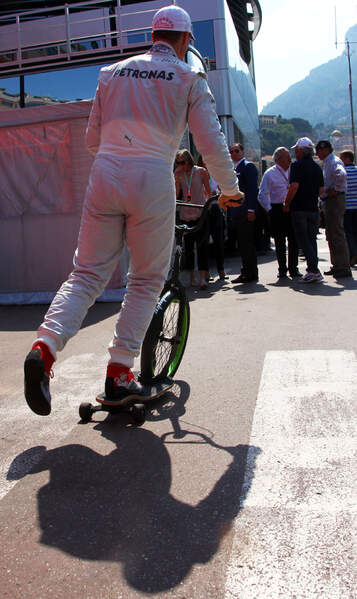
{"x": 149, "y": 392}
{"x": 311, "y": 281}
{"x": 235, "y": 281}
{"x": 120, "y": 401}
{"x": 34, "y": 392}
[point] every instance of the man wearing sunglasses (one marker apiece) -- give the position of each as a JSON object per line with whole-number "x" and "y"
{"x": 140, "y": 111}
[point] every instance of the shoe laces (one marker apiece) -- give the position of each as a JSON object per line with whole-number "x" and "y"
{"x": 120, "y": 374}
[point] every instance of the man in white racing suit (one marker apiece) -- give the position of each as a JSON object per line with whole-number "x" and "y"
{"x": 140, "y": 111}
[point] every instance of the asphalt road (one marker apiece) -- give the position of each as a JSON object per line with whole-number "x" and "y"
{"x": 240, "y": 484}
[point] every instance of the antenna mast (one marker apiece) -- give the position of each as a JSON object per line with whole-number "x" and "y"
{"x": 351, "y": 99}
{"x": 347, "y": 43}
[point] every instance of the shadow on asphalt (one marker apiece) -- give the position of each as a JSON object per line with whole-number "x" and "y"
{"x": 322, "y": 289}
{"x": 194, "y": 293}
{"x": 29, "y": 317}
{"x": 118, "y": 507}
{"x": 250, "y": 288}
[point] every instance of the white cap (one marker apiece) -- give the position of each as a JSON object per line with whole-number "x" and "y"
{"x": 303, "y": 142}
{"x": 172, "y": 18}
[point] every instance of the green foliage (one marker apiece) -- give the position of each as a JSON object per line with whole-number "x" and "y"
{"x": 302, "y": 127}
{"x": 285, "y": 133}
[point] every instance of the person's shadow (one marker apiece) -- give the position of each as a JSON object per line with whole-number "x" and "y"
{"x": 118, "y": 507}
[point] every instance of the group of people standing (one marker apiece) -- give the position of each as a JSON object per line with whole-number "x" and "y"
{"x": 293, "y": 195}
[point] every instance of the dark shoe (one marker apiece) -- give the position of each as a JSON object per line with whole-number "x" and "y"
{"x": 295, "y": 274}
{"x": 329, "y": 272}
{"x": 342, "y": 274}
{"x": 244, "y": 279}
{"x": 353, "y": 260}
{"x": 237, "y": 280}
{"x": 208, "y": 277}
{"x": 37, "y": 383}
{"x": 312, "y": 277}
{"x": 121, "y": 383}
{"x": 222, "y": 275}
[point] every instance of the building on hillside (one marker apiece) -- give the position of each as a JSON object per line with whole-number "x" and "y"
{"x": 341, "y": 139}
{"x": 267, "y": 120}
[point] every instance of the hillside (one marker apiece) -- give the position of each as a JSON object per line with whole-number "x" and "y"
{"x": 322, "y": 97}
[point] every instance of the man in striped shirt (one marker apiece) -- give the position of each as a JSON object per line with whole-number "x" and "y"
{"x": 350, "y": 222}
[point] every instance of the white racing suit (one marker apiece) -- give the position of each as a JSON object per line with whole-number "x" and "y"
{"x": 140, "y": 111}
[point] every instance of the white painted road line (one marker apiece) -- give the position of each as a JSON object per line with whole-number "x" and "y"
{"x": 295, "y": 537}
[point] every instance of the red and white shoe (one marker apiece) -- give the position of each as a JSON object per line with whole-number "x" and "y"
{"x": 121, "y": 383}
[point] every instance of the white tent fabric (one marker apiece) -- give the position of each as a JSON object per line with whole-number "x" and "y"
{"x": 44, "y": 169}
{"x": 48, "y": 147}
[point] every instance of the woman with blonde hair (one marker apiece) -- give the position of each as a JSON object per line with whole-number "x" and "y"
{"x": 192, "y": 186}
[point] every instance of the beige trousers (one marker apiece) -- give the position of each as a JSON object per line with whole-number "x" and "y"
{"x": 334, "y": 210}
{"x": 132, "y": 200}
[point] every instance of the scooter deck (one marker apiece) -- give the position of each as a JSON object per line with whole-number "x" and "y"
{"x": 150, "y": 392}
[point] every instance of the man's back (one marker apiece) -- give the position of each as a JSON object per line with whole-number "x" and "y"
{"x": 142, "y": 106}
{"x": 247, "y": 174}
{"x": 308, "y": 174}
{"x": 144, "y": 102}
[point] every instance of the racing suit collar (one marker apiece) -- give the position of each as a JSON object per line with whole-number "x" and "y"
{"x": 162, "y": 47}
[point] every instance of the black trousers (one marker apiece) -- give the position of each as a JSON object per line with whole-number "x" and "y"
{"x": 200, "y": 240}
{"x": 261, "y": 230}
{"x": 282, "y": 230}
{"x": 350, "y": 225}
{"x": 243, "y": 229}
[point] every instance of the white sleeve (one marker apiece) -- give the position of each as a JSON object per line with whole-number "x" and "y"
{"x": 93, "y": 131}
{"x": 264, "y": 192}
{"x": 340, "y": 178}
{"x": 94, "y": 125}
{"x": 209, "y": 139}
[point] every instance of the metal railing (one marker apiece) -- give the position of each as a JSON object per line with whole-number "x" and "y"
{"x": 83, "y": 32}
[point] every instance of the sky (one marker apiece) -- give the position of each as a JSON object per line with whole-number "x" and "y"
{"x": 294, "y": 38}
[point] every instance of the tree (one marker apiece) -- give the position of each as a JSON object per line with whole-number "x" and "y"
{"x": 285, "y": 133}
{"x": 302, "y": 127}
{"x": 280, "y": 135}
